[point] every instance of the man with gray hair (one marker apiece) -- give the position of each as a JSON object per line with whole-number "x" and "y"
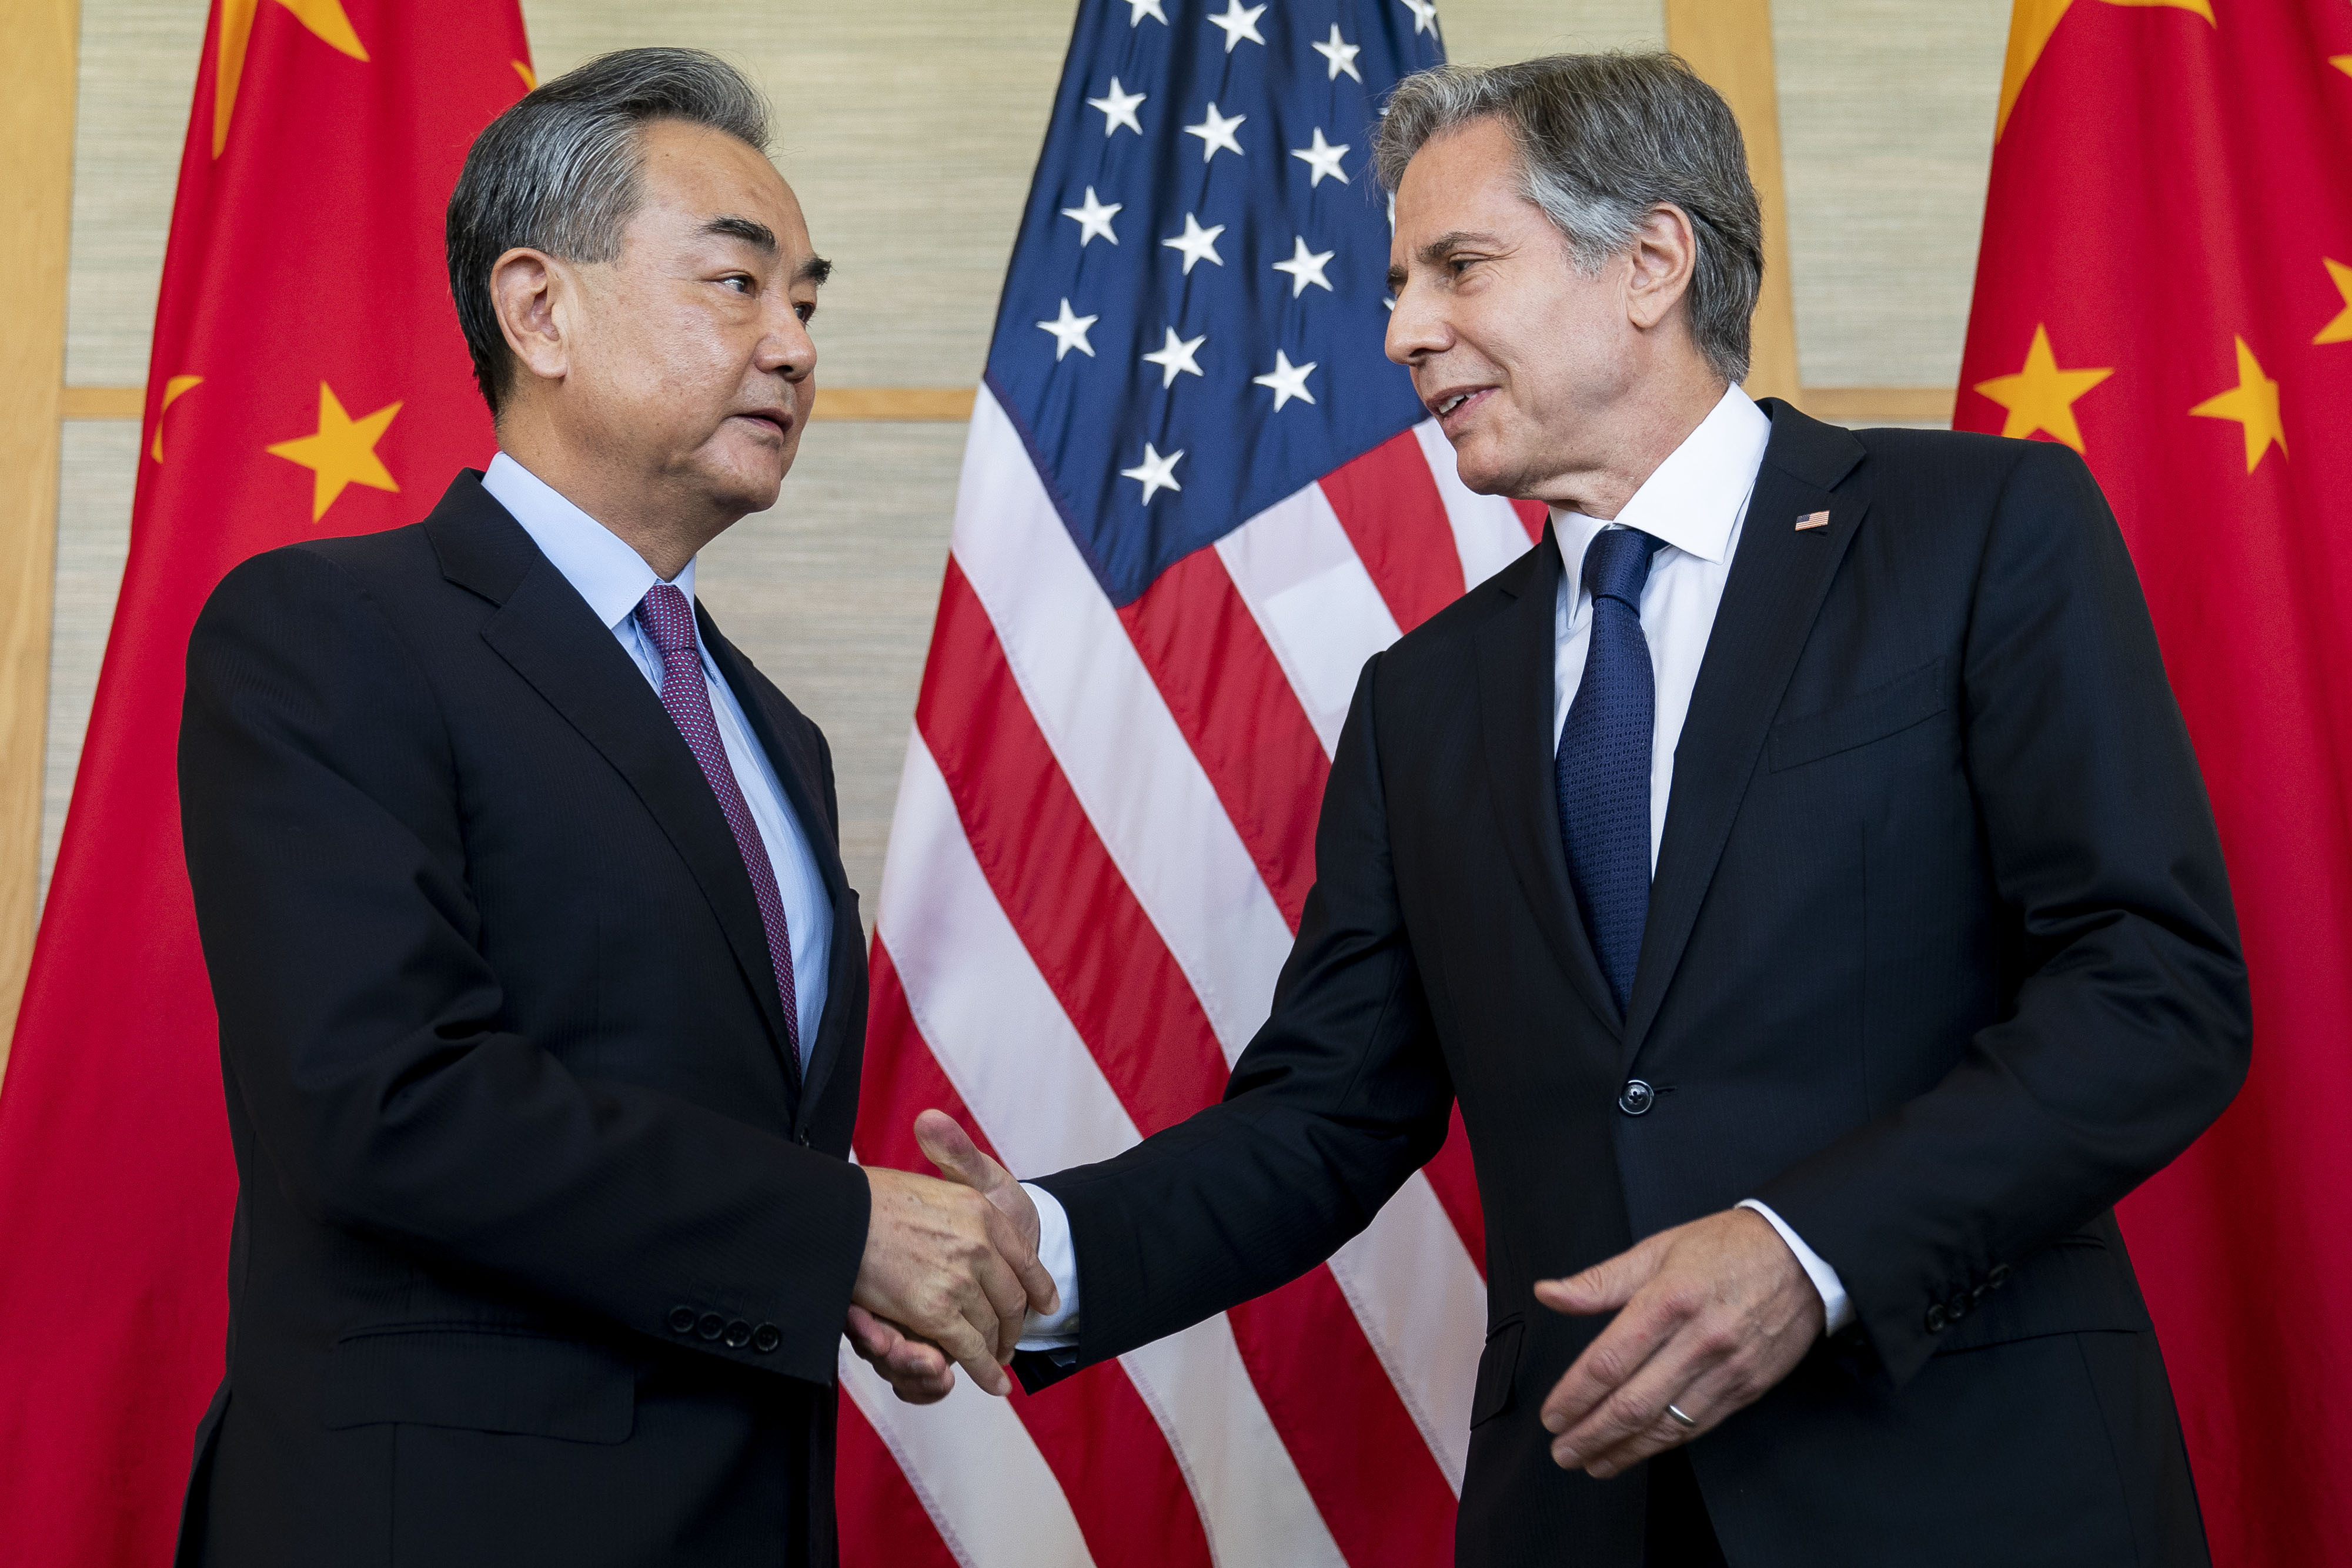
{"x": 1796, "y": 867}
{"x": 540, "y": 988}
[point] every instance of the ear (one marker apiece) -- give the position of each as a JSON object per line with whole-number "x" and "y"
{"x": 531, "y": 291}
{"x": 1663, "y": 252}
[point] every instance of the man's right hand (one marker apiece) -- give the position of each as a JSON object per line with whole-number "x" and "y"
{"x": 948, "y": 1266}
{"x": 914, "y": 1368}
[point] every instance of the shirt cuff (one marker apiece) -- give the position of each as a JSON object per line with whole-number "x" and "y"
{"x": 1835, "y": 1307}
{"x": 1059, "y": 1332}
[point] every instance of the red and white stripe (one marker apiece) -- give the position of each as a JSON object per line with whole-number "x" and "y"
{"x": 1103, "y": 840}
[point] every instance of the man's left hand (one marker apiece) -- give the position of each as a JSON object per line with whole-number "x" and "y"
{"x": 1715, "y": 1313}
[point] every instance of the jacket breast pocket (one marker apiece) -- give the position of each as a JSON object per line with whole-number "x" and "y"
{"x": 479, "y": 1379}
{"x": 1498, "y": 1368}
{"x": 1874, "y": 715}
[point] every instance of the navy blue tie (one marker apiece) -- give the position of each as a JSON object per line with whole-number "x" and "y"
{"x": 1603, "y": 767}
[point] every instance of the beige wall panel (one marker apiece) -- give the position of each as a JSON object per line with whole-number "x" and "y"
{"x": 97, "y": 467}
{"x": 1496, "y": 32}
{"x": 138, "y": 74}
{"x": 1886, "y": 110}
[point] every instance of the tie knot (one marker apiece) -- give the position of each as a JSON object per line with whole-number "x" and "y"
{"x": 668, "y": 620}
{"x": 1617, "y": 563}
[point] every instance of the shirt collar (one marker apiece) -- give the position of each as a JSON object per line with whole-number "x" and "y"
{"x": 602, "y": 567}
{"x": 1695, "y": 498}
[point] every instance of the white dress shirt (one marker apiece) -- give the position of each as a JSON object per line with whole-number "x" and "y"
{"x": 615, "y": 578}
{"x": 1696, "y": 502}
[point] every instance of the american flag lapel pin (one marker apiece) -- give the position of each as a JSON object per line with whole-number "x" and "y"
{"x": 1813, "y": 521}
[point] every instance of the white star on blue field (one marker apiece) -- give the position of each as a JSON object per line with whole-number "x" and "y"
{"x": 1222, "y": 348}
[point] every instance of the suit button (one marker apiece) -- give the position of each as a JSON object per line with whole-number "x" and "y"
{"x": 739, "y": 1334}
{"x": 766, "y": 1338}
{"x": 1936, "y": 1319}
{"x": 1636, "y": 1097}
{"x": 710, "y": 1326}
{"x": 1999, "y": 1277}
{"x": 681, "y": 1319}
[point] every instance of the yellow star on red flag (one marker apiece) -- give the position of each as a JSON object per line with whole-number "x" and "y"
{"x": 342, "y": 452}
{"x": 2041, "y": 397}
{"x": 2254, "y": 402}
{"x": 2339, "y": 330}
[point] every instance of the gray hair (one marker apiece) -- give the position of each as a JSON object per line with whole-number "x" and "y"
{"x": 559, "y": 173}
{"x": 1604, "y": 140}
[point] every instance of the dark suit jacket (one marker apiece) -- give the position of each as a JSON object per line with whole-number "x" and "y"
{"x": 1940, "y": 963}
{"x": 538, "y": 1257}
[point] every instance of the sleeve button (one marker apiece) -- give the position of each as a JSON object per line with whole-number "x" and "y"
{"x": 739, "y": 1334}
{"x": 681, "y": 1319}
{"x": 1999, "y": 1277}
{"x": 710, "y": 1325}
{"x": 1936, "y": 1319}
{"x": 766, "y": 1338}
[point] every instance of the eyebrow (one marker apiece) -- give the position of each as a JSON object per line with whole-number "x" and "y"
{"x": 750, "y": 231}
{"x": 1435, "y": 251}
{"x": 753, "y": 231}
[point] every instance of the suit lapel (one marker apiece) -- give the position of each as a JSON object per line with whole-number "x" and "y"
{"x": 1778, "y": 582}
{"x": 801, "y": 771}
{"x": 546, "y": 632}
{"x": 1515, "y": 656}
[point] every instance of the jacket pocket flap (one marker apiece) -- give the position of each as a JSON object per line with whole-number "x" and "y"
{"x": 481, "y": 1380}
{"x": 1860, "y": 719}
{"x": 1498, "y": 1365}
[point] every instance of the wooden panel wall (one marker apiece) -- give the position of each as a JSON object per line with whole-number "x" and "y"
{"x": 37, "y": 121}
{"x": 1730, "y": 44}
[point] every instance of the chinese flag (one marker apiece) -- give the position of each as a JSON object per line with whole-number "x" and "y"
{"x": 307, "y": 379}
{"x": 2166, "y": 286}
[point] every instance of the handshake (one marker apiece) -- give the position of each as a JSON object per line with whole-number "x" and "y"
{"x": 950, "y": 1269}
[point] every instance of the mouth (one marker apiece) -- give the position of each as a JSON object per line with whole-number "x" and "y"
{"x": 1453, "y": 407}
{"x": 775, "y": 419}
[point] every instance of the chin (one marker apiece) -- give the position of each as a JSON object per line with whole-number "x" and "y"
{"x": 752, "y": 480}
{"x": 752, "y": 495}
{"x": 1487, "y": 471}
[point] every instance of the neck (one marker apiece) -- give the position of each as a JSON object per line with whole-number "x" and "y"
{"x": 1625, "y": 445}
{"x": 665, "y": 521}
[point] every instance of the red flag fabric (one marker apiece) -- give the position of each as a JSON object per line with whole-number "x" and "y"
{"x": 307, "y": 377}
{"x": 2165, "y": 285}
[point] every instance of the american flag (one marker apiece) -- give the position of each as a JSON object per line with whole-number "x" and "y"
{"x": 1195, "y": 499}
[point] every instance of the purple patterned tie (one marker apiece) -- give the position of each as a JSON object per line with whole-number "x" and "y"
{"x": 668, "y": 620}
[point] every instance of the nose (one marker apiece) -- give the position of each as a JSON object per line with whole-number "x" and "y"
{"x": 786, "y": 349}
{"x": 1417, "y": 327}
